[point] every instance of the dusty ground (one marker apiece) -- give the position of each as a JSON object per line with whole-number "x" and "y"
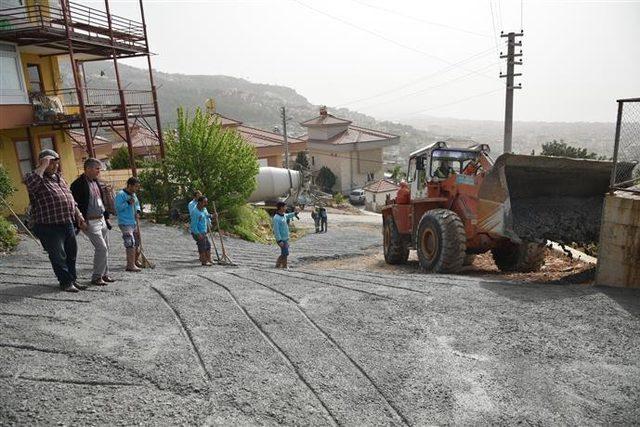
{"x": 558, "y": 268}
{"x": 183, "y": 344}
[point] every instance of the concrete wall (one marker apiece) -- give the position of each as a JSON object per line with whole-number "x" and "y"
{"x": 350, "y": 167}
{"x": 619, "y": 248}
{"x": 375, "y": 201}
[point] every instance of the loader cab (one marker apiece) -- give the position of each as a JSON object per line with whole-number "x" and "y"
{"x": 437, "y": 162}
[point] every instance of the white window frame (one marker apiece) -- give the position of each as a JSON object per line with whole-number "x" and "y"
{"x": 13, "y": 96}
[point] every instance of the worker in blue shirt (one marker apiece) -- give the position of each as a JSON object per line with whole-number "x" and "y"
{"x": 128, "y": 209}
{"x": 192, "y": 204}
{"x": 200, "y": 224}
{"x": 281, "y": 232}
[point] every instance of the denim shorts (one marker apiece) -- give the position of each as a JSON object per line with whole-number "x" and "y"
{"x": 130, "y": 236}
{"x": 203, "y": 244}
{"x": 284, "y": 249}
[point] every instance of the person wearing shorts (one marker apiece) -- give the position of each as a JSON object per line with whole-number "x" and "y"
{"x": 281, "y": 232}
{"x": 128, "y": 208}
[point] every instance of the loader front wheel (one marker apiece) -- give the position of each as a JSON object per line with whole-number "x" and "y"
{"x": 441, "y": 241}
{"x": 396, "y": 248}
{"x": 524, "y": 257}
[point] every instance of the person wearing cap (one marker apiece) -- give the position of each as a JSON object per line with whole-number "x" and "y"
{"x": 89, "y": 196}
{"x": 199, "y": 225}
{"x": 54, "y": 213}
{"x": 128, "y": 209}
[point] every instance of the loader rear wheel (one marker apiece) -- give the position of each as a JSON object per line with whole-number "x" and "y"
{"x": 441, "y": 241}
{"x": 396, "y": 248}
{"x": 524, "y": 257}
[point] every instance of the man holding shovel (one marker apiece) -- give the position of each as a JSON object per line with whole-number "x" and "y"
{"x": 200, "y": 223}
{"x": 128, "y": 208}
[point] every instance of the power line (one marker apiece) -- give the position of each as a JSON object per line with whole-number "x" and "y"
{"x": 500, "y": 14}
{"x": 427, "y": 89}
{"x": 424, "y": 21}
{"x": 380, "y": 36}
{"x": 493, "y": 22}
{"x": 418, "y": 80}
{"x": 452, "y": 103}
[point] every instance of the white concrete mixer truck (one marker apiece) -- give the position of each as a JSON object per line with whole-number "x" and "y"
{"x": 274, "y": 184}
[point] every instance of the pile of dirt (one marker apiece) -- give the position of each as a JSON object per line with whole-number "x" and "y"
{"x": 558, "y": 268}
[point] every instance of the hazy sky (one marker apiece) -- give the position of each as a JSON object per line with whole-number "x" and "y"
{"x": 403, "y": 58}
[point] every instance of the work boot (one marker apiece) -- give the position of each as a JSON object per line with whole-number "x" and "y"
{"x": 279, "y": 262}
{"x": 69, "y": 288}
{"x": 131, "y": 261}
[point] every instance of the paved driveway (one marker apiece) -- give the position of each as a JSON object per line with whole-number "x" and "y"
{"x": 184, "y": 344}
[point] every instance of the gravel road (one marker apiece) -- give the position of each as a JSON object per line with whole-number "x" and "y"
{"x": 184, "y": 344}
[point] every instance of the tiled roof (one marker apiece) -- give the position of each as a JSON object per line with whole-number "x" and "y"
{"x": 325, "y": 119}
{"x": 352, "y": 135}
{"x": 262, "y": 138}
{"x": 140, "y": 137}
{"x": 78, "y": 138}
{"x": 381, "y": 186}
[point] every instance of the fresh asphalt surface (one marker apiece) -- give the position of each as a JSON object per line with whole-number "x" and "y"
{"x": 184, "y": 344}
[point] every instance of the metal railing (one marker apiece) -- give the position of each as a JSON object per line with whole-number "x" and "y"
{"x": 62, "y": 105}
{"x": 626, "y": 154}
{"x": 84, "y": 22}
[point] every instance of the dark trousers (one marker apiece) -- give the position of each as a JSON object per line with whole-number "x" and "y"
{"x": 323, "y": 224}
{"x": 60, "y": 243}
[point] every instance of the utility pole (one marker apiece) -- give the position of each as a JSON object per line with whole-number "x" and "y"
{"x": 511, "y": 63}
{"x": 283, "y": 112}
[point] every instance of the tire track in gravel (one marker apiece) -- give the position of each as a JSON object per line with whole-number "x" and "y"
{"x": 39, "y": 316}
{"x": 317, "y": 327}
{"x": 83, "y": 301}
{"x": 76, "y": 382}
{"x": 274, "y": 345}
{"x": 186, "y": 332}
{"x": 367, "y": 282}
{"x": 330, "y": 284}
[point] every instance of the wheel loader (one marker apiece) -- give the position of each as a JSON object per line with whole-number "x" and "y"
{"x": 459, "y": 202}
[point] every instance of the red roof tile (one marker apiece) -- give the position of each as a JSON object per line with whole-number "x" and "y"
{"x": 352, "y": 135}
{"x": 381, "y": 186}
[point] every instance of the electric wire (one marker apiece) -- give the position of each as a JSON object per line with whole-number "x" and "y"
{"x": 495, "y": 32}
{"x": 424, "y": 21}
{"x": 383, "y": 37}
{"x": 418, "y": 80}
{"x": 421, "y": 91}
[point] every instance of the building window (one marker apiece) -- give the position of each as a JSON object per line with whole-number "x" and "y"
{"x": 12, "y": 90}
{"x": 47, "y": 143}
{"x": 374, "y": 198}
{"x": 35, "y": 78}
{"x": 313, "y": 160}
{"x": 23, "y": 150}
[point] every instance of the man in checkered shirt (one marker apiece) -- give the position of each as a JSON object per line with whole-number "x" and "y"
{"x": 53, "y": 213}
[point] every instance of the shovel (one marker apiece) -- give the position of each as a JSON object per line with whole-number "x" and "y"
{"x": 224, "y": 260}
{"x": 145, "y": 263}
{"x": 18, "y": 219}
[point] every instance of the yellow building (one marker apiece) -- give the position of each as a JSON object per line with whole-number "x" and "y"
{"x": 36, "y": 112}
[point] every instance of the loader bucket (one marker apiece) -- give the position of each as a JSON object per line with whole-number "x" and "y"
{"x": 532, "y": 198}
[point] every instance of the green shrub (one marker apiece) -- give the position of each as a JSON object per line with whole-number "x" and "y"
{"x": 326, "y": 179}
{"x": 247, "y": 222}
{"x": 157, "y": 190}
{"x": 120, "y": 160}
{"x": 8, "y": 235}
{"x": 6, "y": 186}
{"x": 339, "y": 199}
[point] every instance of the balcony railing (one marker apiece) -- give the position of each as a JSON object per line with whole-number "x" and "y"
{"x": 85, "y": 23}
{"x": 62, "y": 106}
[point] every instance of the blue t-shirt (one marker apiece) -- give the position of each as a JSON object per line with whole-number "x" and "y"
{"x": 200, "y": 219}
{"x": 280, "y": 226}
{"x": 192, "y": 205}
{"x": 124, "y": 210}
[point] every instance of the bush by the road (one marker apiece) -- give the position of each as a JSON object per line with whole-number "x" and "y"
{"x": 8, "y": 232}
{"x": 202, "y": 155}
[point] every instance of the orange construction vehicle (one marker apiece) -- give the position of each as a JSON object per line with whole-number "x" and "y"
{"x": 458, "y": 202}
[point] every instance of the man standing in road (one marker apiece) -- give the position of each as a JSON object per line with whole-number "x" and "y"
{"x": 323, "y": 219}
{"x": 281, "y": 232}
{"x": 89, "y": 196}
{"x": 53, "y": 213}
{"x": 128, "y": 208}
{"x": 192, "y": 204}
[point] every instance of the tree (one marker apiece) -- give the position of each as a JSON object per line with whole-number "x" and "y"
{"x": 157, "y": 189}
{"x": 397, "y": 174}
{"x": 326, "y": 179}
{"x": 6, "y": 186}
{"x": 301, "y": 163}
{"x": 562, "y": 149}
{"x": 202, "y": 154}
{"x": 120, "y": 160}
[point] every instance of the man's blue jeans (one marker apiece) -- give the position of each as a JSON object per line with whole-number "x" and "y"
{"x": 59, "y": 240}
